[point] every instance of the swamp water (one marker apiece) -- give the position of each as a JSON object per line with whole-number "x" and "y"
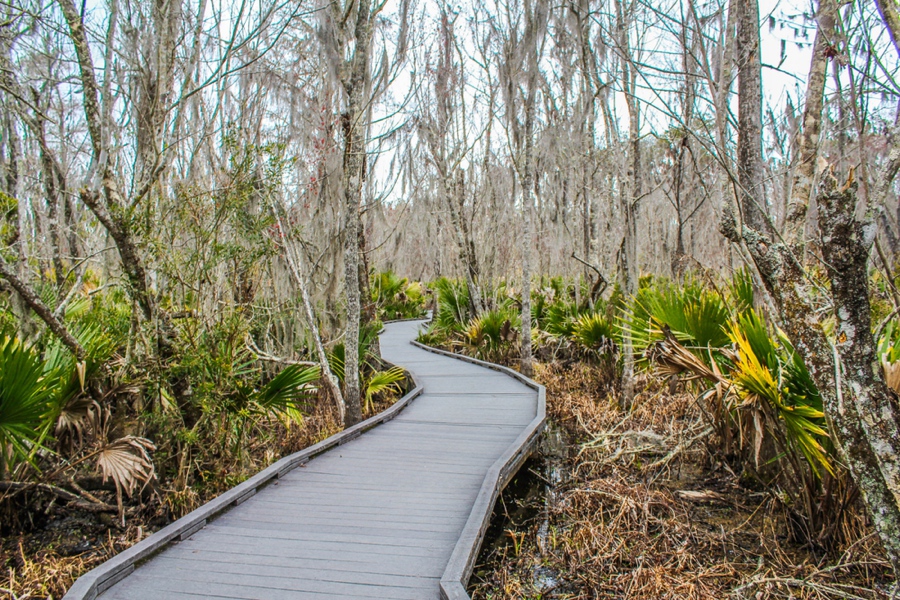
{"x": 522, "y": 512}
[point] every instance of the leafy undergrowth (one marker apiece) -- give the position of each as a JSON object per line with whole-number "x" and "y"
{"x": 47, "y": 544}
{"x": 644, "y": 511}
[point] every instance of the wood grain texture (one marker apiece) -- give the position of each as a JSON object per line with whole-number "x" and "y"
{"x": 386, "y": 514}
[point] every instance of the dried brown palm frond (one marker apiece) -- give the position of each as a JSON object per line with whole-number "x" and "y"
{"x": 891, "y": 374}
{"x": 671, "y": 358}
{"x": 127, "y": 462}
{"x": 83, "y": 416}
{"x": 80, "y": 415}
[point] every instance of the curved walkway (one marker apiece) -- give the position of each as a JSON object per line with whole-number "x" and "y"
{"x": 397, "y": 513}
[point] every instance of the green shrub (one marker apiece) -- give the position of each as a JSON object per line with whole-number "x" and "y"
{"x": 452, "y": 305}
{"x": 396, "y": 297}
{"x": 493, "y": 334}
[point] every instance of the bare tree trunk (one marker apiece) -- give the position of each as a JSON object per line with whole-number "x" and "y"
{"x": 722, "y": 94}
{"x": 630, "y": 195}
{"x": 867, "y": 427}
{"x": 863, "y": 415}
{"x": 533, "y": 39}
{"x": 465, "y": 246}
{"x": 588, "y": 124}
{"x": 12, "y": 185}
{"x": 527, "y": 235}
{"x": 355, "y": 84}
{"x": 750, "y": 157}
{"x": 110, "y": 210}
{"x": 683, "y": 145}
{"x": 354, "y": 148}
{"x": 155, "y": 84}
{"x": 295, "y": 263}
{"x": 54, "y": 187}
{"x": 804, "y": 173}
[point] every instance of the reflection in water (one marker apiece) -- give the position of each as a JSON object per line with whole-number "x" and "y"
{"x": 524, "y": 509}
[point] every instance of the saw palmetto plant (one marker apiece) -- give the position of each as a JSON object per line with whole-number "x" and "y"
{"x": 596, "y": 334}
{"x": 492, "y": 335}
{"x": 43, "y": 396}
{"x": 380, "y": 382}
{"x": 452, "y": 308}
{"x": 773, "y": 381}
{"x": 559, "y": 318}
{"x": 695, "y": 316}
{"x": 396, "y": 297}
{"x": 26, "y": 403}
{"x": 767, "y": 415}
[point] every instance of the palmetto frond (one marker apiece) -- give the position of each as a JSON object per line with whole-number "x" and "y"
{"x": 287, "y": 392}
{"x": 695, "y": 316}
{"x": 26, "y": 401}
{"x": 382, "y": 381}
{"x": 596, "y": 333}
{"x": 452, "y": 304}
{"x": 740, "y": 290}
{"x": 670, "y": 357}
{"x": 493, "y": 331}
{"x": 126, "y": 461}
{"x": 783, "y": 387}
{"x": 559, "y": 319}
{"x": 77, "y": 411}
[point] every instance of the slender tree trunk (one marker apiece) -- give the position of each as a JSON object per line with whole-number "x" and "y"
{"x": 356, "y": 85}
{"x": 527, "y": 238}
{"x": 683, "y": 147}
{"x": 353, "y": 150}
{"x": 750, "y": 157}
{"x": 534, "y": 40}
{"x": 109, "y": 210}
{"x": 52, "y": 184}
{"x": 863, "y": 415}
{"x": 295, "y": 263}
{"x": 12, "y": 185}
{"x": 804, "y": 173}
{"x": 629, "y": 197}
{"x": 588, "y": 125}
{"x": 464, "y": 244}
{"x": 471, "y": 257}
{"x": 155, "y": 85}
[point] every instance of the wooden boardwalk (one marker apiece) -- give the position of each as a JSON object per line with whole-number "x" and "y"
{"x": 396, "y": 513}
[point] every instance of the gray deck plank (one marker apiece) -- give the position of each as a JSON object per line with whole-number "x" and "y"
{"x": 377, "y": 517}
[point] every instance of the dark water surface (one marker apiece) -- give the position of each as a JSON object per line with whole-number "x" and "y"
{"x": 523, "y": 512}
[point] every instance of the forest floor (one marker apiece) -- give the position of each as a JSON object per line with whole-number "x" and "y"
{"x": 46, "y": 545}
{"x": 626, "y": 504}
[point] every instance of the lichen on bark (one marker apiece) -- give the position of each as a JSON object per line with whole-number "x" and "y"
{"x": 862, "y": 412}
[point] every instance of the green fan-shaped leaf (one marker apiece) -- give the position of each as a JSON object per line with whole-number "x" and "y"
{"x": 380, "y": 382}
{"x": 26, "y": 401}
{"x": 288, "y": 391}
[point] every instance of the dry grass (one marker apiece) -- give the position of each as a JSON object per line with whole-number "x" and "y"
{"x": 645, "y": 513}
{"x": 31, "y": 574}
{"x": 45, "y": 561}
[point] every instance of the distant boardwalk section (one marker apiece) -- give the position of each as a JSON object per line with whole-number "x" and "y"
{"x": 395, "y": 511}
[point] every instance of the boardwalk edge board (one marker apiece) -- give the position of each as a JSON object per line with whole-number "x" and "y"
{"x": 101, "y": 578}
{"x": 465, "y": 553}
